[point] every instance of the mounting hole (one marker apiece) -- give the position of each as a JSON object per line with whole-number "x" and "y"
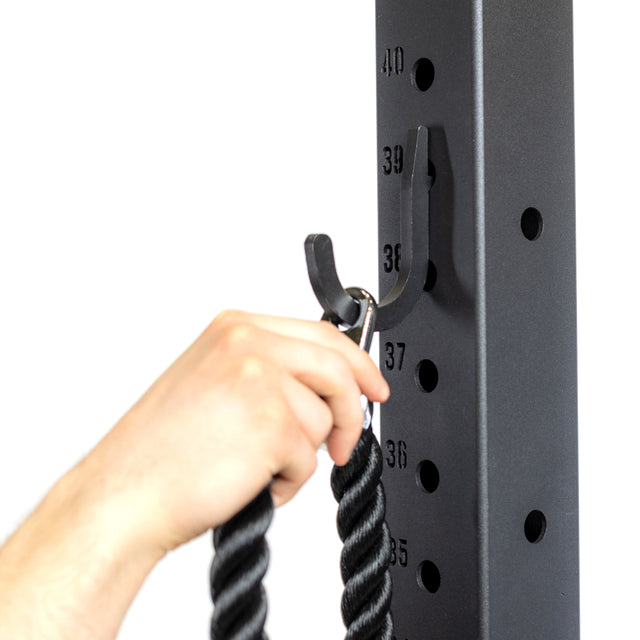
{"x": 423, "y": 74}
{"x": 428, "y": 476}
{"x": 428, "y": 576}
{"x": 432, "y": 276}
{"x": 531, "y": 224}
{"x": 427, "y": 375}
{"x": 535, "y": 526}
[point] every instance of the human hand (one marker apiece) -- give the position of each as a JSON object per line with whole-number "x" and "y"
{"x": 249, "y": 401}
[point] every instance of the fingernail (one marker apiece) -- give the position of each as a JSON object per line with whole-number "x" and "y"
{"x": 385, "y": 391}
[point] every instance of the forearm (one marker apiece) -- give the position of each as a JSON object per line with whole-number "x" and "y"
{"x": 74, "y": 567}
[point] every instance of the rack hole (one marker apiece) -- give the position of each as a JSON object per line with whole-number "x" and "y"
{"x": 428, "y": 476}
{"x": 531, "y": 224}
{"x": 427, "y": 375}
{"x": 423, "y": 74}
{"x": 432, "y": 276}
{"x": 431, "y": 173}
{"x": 428, "y": 576}
{"x": 535, "y": 526}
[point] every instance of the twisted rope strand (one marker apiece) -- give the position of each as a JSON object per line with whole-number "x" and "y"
{"x": 242, "y": 555}
{"x": 365, "y": 558}
{"x": 237, "y": 570}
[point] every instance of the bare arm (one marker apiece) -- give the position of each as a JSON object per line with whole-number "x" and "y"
{"x": 250, "y": 400}
{"x": 74, "y": 567}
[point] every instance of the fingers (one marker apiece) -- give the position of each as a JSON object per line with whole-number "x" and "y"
{"x": 293, "y": 454}
{"x": 327, "y": 373}
{"x": 321, "y": 374}
{"x": 324, "y": 334}
{"x": 316, "y": 419}
{"x": 312, "y": 413}
{"x": 301, "y": 467}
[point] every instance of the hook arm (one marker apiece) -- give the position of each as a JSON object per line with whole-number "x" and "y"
{"x": 338, "y": 305}
{"x": 414, "y": 214}
{"x": 342, "y": 308}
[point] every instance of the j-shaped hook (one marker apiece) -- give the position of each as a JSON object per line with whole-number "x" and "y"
{"x": 342, "y": 308}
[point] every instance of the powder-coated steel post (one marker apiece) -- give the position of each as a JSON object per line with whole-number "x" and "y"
{"x": 480, "y": 434}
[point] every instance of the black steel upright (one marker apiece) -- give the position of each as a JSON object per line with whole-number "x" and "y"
{"x": 480, "y": 434}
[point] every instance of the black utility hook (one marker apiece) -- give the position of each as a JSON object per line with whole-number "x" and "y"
{"x": 342, "y": 308}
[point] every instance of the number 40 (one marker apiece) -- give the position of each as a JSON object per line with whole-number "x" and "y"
{"x": 393, "y": 61}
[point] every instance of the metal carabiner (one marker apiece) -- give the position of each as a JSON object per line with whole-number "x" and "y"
{"x": 361, "y": 332}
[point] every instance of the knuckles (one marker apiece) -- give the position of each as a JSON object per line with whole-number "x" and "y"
{"x": 251, "y": 370}
{"x": 235, "y": 337}
{"x": 256, "y": 385}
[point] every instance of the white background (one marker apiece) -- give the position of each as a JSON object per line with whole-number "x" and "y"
{"x": 161, "y": 161}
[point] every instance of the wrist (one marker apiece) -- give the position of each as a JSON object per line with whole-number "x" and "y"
{"x": 121, "y": 520}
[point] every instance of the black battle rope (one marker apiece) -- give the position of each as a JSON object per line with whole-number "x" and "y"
{"x": 242, "y": 555}
{"x": 237, "y": 570}
{"x": 364, "y": 562}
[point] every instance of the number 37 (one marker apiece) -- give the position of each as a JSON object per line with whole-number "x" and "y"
{"x": 394, "y": 355}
